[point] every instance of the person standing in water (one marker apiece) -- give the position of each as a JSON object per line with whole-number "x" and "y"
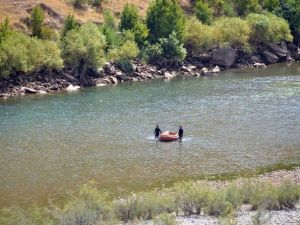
{"x": 157, "y": 132}
{"x": 180, "y": 133}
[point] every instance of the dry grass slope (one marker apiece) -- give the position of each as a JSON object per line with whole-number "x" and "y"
{"x": 18, "y": 10}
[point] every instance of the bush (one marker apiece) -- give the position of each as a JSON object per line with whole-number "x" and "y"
{"x": 234, "y": 32}
{"x": 290, "y": 10}
{"x": 245, "y": 7}
{"x": 166, "y": 51}
{"x": 163, "y": 18}
{"x": 110, "y": 30}
{"x": 4, "y": 29}
{"x": 79, "y": 4}
{"x": 268, "y": 29}
{"x": 199, "y": 37}
{"x": 69, "y": 24}
{"x": 83, "y": 48}
{"x": 20, "y": 53}
{"x": 129, "y": 17}
{"x": 203, "y": 12}
{"x": 165, "y": 219}
{"x": 141, "y": 33}
{"x": 271, "y": 5}
{"x": 288, "y": 194}
{"x": 36, "y": 21}
{"x": 49, "y": 34}
{"x": 218, "y": 204}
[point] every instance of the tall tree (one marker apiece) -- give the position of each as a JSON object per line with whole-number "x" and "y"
{"x": 37, "y": 21}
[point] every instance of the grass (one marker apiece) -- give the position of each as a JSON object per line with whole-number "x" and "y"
{"x": 92, "y": 206}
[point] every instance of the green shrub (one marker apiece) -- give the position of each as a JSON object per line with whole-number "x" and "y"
{"x": 96, "y": 3}
{"x": 129, "y": 17}
{"x": 203, "y": 12}
{"x": 218, "y": 205}
{"x": 245, "y": 7}
{"x": 128, "y": 50}
{"x": 83, "y": 48}
{"x": 69, "y": 24}
{"x": 191, "y": 199}
{"x": 290, "y": 10}
{"x": 110, "y": 30}
{"x": 37, "y": 21}
{"x": 126, "y": 208}
{"x": 165, "y": 219}
{"x": 228, "y": 8}
{"x": 49, "y": 34}
{"x": 163, "y": 18}
{"x": 4, "y": 29}
{"x": 141, "y": 33}
{"x": 199, "y": 37}
{"x": 234, "y": 32}
{"x": 79, "y": 4}
{"x": 288, "y": 194}
{"x": 166, "y": 51}
{"x": 271, "y": 5}
{"x": 268, "y": 28}
{"x": 20, "y": 53}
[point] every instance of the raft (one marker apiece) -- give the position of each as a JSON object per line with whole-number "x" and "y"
{"x": 168, "y": 136}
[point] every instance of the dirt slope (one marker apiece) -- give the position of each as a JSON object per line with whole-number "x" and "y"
{"x": 18, "y": 10}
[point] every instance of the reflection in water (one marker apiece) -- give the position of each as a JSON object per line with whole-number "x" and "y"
{"x": 237, "y": 120}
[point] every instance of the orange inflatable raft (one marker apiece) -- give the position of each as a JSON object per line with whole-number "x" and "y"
{"x": 169, "y": 136}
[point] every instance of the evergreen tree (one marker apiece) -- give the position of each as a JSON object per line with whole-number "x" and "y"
{"x": 69, "y": 24}
{"x": 4, "y": 29}
{"x": 129, "y": 17}
{"x": 37, "y": 20}
{"x": 164, "y": 17}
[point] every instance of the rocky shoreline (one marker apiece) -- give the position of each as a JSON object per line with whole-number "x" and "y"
{"x": 205, "y": 64}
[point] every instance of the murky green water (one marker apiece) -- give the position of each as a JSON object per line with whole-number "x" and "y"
{"x": 233, "y": 121}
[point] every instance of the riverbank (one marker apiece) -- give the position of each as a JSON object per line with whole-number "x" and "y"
{"x": 207, "y": 64}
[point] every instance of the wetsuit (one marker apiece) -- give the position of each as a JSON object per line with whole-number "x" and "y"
{"x": 157, "y": 131}
{"x": 180, "y": 133}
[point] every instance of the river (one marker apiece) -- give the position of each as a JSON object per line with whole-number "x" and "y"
{"x": 236, "y": 120}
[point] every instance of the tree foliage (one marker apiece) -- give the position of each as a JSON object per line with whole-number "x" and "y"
{"x": 84, "y": 48}
{"x": 37, "y": 21}
{"x": 4, "y": 29}
{"x": 129, "y": 17}
{"x": 268, "y": 28}
{"x": 163, "y": 18}
{"x": 203, "y": 12}
{"x": 69, "y": 24}
{"x": 22, "y": 54}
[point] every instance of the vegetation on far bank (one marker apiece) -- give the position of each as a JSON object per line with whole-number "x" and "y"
{"x": 166, "y": 36}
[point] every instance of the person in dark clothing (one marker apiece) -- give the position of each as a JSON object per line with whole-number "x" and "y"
{"x": 180, "y": 133}
{"x": 157, "y": 132}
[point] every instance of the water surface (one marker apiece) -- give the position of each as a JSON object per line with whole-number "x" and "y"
{"x": 236, "y": 120}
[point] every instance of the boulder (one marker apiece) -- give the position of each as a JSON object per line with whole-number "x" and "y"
{"x": 223, "y": 57}
{"x": 289, "y": 58}
{"x": 278, "y": 50}
{"x": 186, "y": 69}
{"x": 169, "y": 75}
{"x": 205, "y": 58}
{"x": 109, "y": 69}
{"x": 122, "y": 77}
{"x": 204, "y": 71}
{"x": 255, "y": 59}
{"x": 72, "y": 88}
{"x": 259, "y": 65}
{"x": 29, "y": 90}
{"x": 113, "y": 80}
{"x": 216, "y": 70}
{"x": 270, "y": 57}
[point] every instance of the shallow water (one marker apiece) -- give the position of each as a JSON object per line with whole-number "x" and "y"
{"x": 233, "y": 121}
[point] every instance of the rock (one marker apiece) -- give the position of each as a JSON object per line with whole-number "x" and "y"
{"x": 205, "y": 58}
{"x": 270, "y": 57}
{"x": 135, "y": 79}
{"x": 114, "y": 80}
{"x": 216, "y": 69}
{"x": 29, "y": 90}
{"x": 69, "y": 77}
{"x": 292, "y": 47}
{"x": 223, "y": 57}
{"x": 259, "y": 65}
{"x": 72, "y": 88}
{"x": 205, "y": 71}
{"x": 122, "y": 77}
{"x": 186, "y": 69}
{"x": 100, "y": 72}
{"x": 169, "y": 75}
{"x": 289, "y": 58}
{"x": 277, "y": 50}
{"x": 283, "y": 45}
{"x": 42, "y": 92}
{"x": 101, "y": 85}
{"x": 109, "y": 69}
{"x": 255, "y": 59}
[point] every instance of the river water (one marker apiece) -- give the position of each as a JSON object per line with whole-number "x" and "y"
{"x": 236, "y": 120}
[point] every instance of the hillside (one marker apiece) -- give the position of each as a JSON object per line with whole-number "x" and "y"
{"x": 18, "y": 10}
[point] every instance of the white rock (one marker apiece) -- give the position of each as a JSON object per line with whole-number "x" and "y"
{"x": 42, "y": 92}
{"x": 216, "y": 70}
{"x": 72, "y": 88}
{"x": 259, "y": 65}
{"x": 101, "y": 85}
